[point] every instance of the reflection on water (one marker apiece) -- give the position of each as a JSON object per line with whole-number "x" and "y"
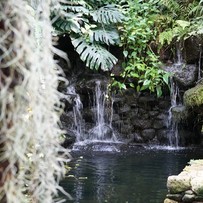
{"x": 125, "y": 178}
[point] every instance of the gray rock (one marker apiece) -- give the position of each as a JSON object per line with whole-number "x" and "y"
{"x": 135, "y": 137}
{"x": 142, "y": 124}
{"x": 188, "y": 198}
{"x": 162, "y": 136}
{"x": 184, "y": 74}
{"x": 158, "y": 124}
{"x": 153, "y": 113}
{"x": 162, "y": 116}
{"x": 148, "y": 134}
{"x": 176, "y": 197}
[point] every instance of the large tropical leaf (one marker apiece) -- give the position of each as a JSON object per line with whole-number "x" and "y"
{"x": 68, "y": 23}
{"x": 94, "y": 55}
{"x": 107, "y": 14}
{"x": 107, "y": 36}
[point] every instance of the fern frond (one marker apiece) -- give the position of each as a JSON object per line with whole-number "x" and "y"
{"x": 107, "y": 36}
{"x": 172, "y": 5}
{"x": 166, "y": 36}
{"x": 107, "y": 15}
{"x": 94, "y": 55}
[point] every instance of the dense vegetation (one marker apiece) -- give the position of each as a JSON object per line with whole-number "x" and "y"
{"x": 143, "y": 28}
{"x": 31, "y": 162}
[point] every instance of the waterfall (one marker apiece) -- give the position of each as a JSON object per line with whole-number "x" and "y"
{"x": 179, "y": 58}
{"x": 102, "y": 131}
{"x": 200, "y": 64}
{"x": 77, "y": 116}
{"x": 102, "y": 107}
{"x": 173, "y": 136}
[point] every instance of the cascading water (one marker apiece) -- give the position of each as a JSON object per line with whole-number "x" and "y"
{"x": 173, "y": 136}
{"x": 179, "y": 58}
{"x": 200, "y": 65}
{"x": 77, "y": 116}
{"x": 102, "y": 107}
{"x": 103, "y": 128}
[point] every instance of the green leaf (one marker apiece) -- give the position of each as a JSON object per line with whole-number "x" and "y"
{"x": 183, "y": 23}
{"x": 125, "y": 53}
{"x": 135, "y": 75}
{"x": 165, "y": 78}
{"x": 107, "y": 14}
{"x": 158, "y": 91}
{"x": 107, "y": 36}
{"x": 94, "y": 55}
{"x": 146, "y": 82}
{"x": 132, "y": 85}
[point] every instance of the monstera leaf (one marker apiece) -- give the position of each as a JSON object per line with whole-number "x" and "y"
{"x": 107, "y": 14}
{"x": 107, "y": 36}
{"x": 94, "y": 55}
{"x": 89, "y": 29}
{"x": 68, "y": 23}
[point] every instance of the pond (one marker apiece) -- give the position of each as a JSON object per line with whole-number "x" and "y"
{"x": 135, "y": 176}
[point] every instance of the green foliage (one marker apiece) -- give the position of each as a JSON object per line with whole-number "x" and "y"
{"x": 141, "y": 69}
{"x": 90, "y": 29}
{"x": 94, "y": 55}
{"x": 187, "y": 21}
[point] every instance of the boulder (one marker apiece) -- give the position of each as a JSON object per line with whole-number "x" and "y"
{"x": 177, "y": 184}
{"x": 194, "y": 96}
{"x": 197, "y": 185}
{"x": 179, "y": 112}
{"x": 169, "y": 201}
{"x": 192, "y": 48}
{"x": 142, "y": 124}
{"x": 184, "y": 74}
{"x": 148, "y": 134}
{"x": 158, "y": 124}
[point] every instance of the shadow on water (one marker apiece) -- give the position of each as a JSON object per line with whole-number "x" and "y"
{"x": 137, "y": 176}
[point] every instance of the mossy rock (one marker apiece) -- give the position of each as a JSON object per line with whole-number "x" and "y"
{"x": 194, "y": 96}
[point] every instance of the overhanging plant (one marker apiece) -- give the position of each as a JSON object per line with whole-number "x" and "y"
{"x": 91, "y": 30}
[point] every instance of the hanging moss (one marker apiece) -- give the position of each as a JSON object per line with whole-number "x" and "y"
{"x": 194, "y": 96}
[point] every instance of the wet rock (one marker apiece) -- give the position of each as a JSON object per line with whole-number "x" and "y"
{"x": 192, "y": 48}
{"x": 184, "y": 74}
{"x": 88, "y": 115}
{"x": 125, "y": 109}
{"x": 194, "y": 96}
{"x": 188, "y": 198}
{"x": 179, "y": 112}
{"x": 162, "y": 116}
{"x": 187, "y": 76}
{"x": 116, "y": 117}
{"x": 68, "y": 141}
{"x": 164, "y": 104}
{"x": 153, "y": 113}
{"x": 142, "y": 124}
{"x": 147, "y": 102}
{"x": 158, "y": 124}
{"x": 162, "y": 136}
{"x": 126, "y": 129}
{"x": 175, "y": 197}
{"x": 135, "y": 137}
{"x": 148, "y": 134}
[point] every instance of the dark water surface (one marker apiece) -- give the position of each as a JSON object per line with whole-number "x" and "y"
{"x": 135, "y": 177}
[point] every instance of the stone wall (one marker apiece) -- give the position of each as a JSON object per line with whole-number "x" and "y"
{"x": 144, "y": 118}
{"x": 137, "y": 117}
{"x": 187, "y": 187}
